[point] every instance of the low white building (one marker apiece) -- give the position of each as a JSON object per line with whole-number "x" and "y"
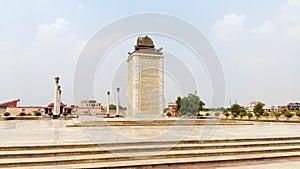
{"x": 89, "y": 104}
{"x": 91, "y": 107}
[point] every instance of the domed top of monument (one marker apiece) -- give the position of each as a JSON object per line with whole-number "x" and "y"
{"x": 144, "y": 42}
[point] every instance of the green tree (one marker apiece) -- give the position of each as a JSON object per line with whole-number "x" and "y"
{"x": 243, "y": 114}
{"x": 178, "y": 104}
{"x": 217, "y": 114}
{"x": 235, "y": 110}
{"x": 201, "y": 106}
{"x": 284, "y": 111}
{"x": 257, "y": 115}
{"x": 266, "y": 114}
{"x": 37, "y": 113}
{"x": 112, "y": 107}
{"x": 22, "y": 114}
{"x": 259, "y": 108}
{"x": 226, "y": 114}
{"x": 169, "y": 114}
{"x": 276, "y": 114}
{"x": 166, "y": 109}
{"x": 250, "y": 115}
{"x": 190, "y": 104}
{"x": 6, "y": 114}
{"x": 65, "y": 114}
{"x": 289, "y": 115}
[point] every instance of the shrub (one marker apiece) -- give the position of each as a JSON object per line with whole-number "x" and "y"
{"x": 266, "y": 114}
{"x": 217, "y": 114}
{"x": 234, "y": 114}
{"x": 284, "y": 111}
{"x": 242, "y": 114}
{"x": 50, "y": 114}
{"x": 226, "y": 114}
{"x": 257, "y": 115}
{"x": 179, "y": 114}
{"x": 250, "y": 115}
{"x": 22, "y": 114}
{"x": 66, "y": 113}
{"x": 29, "y": 114}
{"x": 6, "y": 114}
{"x": 188, "y": 114}
{"x": 288, "y": 115}
{"x": 207, "y": 114}
{"x": 277, "y": 114}
{"x": 169, "y": 114}
{"x": 37, "y": 114}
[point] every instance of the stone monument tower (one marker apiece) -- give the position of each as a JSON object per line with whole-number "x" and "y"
{"x": 145, "y": 80}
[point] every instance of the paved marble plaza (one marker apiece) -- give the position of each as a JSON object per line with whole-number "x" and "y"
{"x": 26, "y": 132}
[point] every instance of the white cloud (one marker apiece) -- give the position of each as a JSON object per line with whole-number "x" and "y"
{"x": 230, "y": 26}
{"x": 266, "y": 27}
{"x": 54, "y": 42}
{"x": 54, "y": 37}
{"x": 46, "y": 32}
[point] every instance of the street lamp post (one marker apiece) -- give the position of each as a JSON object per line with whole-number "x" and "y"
{"x": 107, "y": 103}
{"x": 118, "y": 102}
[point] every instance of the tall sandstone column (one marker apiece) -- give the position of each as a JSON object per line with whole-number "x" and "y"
{"x": 145, "y": 80}
{"x": 56, "y": 100}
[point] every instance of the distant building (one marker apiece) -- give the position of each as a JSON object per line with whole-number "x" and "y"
{"x": 4, "y": 106}
{"x": 91, "y": 107}
{"x": 293, "y": 106}
{"x": 89, "y": 104}
{"x": 14, "y": 110}
{"x": 172, "y": 109}
{"x": 290, "y": 107}
{"x": 251, "y": 106}
{"x": 63, "y": 108}
{"x": 13, "y": 103}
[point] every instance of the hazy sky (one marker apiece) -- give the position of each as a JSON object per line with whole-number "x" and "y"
{"x": 257, "y": 43}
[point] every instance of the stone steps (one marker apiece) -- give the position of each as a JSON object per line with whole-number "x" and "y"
{"x": 168, "y": 163}
{"x": 148, "y": 153}
{"x": 86, "y": 145}
{"x": 98, "y": 149}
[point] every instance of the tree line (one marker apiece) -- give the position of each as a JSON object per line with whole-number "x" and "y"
{"x": 258, "y": 111}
